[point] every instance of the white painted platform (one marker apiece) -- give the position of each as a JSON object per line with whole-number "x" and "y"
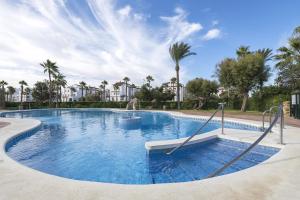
{"x": 168, "y": 144}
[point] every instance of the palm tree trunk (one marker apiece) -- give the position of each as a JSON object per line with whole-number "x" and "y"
{"x": 50, "y": 90}
{"x": 178, "y": 89}
{"x": 21, "y": 107}
{"x": 60, "y": 94}
{"x": 245, "y": 98}
{"x": 56, "y": 96}
{"x": 126, "y": 91}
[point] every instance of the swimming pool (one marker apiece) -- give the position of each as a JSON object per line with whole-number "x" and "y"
{"x": 93, "y": 145}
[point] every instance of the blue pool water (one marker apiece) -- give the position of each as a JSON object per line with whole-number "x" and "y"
{"x": 93, "y": 145}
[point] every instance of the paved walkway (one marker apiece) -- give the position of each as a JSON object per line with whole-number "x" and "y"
{"x": 248, "y": 116}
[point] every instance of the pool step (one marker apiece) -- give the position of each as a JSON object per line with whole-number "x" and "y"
{"x": 197, "y": 163}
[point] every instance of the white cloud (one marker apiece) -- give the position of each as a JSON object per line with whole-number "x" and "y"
{"x": 179, "y": 28}
{"x": 118, "y": 43}
{"x": 215, "y": 22}
{"x": 125, "y": 11}
{"x": 212, "y": 34}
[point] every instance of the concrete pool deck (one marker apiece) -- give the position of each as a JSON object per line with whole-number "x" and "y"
{"x": 276, "y": 178}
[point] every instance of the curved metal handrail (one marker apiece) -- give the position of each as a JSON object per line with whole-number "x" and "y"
{"x": 263, "y": 119}
{"x": 221, "y": 106}
{"x": 278, "y": 114}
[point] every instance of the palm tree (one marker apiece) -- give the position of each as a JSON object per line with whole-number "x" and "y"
{"x": 2, "y": 93}
{"x": 266, "y": 55}
{"x": 82, "y": 86}
{"x": 22, "y": 84}
{"x": 149, "y": 80}
{"x": 52, "y": 69}
{"x": 104, "y": 83}
{"x": 126, "y": 80}
{"x": 178, "y": 51}
{"x": 11, "y": 90}
{"x": 288, "y": 62}
{"x": 242, "y": 51}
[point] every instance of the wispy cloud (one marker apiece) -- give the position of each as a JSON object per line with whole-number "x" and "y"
{"x": 212, "y": 34}
{"x": 117, "y": 42}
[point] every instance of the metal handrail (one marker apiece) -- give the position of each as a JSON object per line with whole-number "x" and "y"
{"x": 278, "y": 114}
{"x": 263, "y": 119}
{"x": 221, "y": 106}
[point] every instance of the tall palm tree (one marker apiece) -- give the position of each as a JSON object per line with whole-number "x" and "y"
{"x": 52, "y": 69}
{"x": 104, "y": 83}
{"x": 126, "y": 80}
{"x": 178, "y": 51}
{"x": 11, "y": 90}
{"x": 266, "y": 55}
{"x": 149, "y": 80}
{"x": 82, "y": 86}
{"x": 242, "y": 51}
{"x": 22, "y": 84}
{"x": 288, "y": 62}
{"x": 2, "y": 93}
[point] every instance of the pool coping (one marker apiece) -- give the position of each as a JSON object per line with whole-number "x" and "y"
{"x": 276, "y": 178}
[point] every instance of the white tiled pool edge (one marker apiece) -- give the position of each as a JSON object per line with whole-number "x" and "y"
{"x": 276, "y": 178}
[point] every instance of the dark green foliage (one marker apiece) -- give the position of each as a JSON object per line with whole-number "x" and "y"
{"x": 245, "y": 73}
{"x": 288, "y": 64}
{"x": 40, "y": 92}
{"x": 268, "y": 96}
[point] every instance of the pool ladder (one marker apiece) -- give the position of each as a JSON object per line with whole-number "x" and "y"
{"x": 279, "y": 116}
{"x": 270, "y": 112}
{"x": 220, "y": 108}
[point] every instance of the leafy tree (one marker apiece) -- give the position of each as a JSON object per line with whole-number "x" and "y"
{"x": 40, "y": 92}
{"x": 288, "y": 64}
{"x": 11, "y": 90}
{"x": 202, "y": 89}
{"x": 158, "y": 94}
{"x": 149, "y": 79}
{"x": 126, "y": 80}
{"x": 178, "y": 51}
{"x": 52, "y": 69}
{"x": 2, "y": 93}
{"x": 248, "y": 71}
{"x": 22, "y": 84}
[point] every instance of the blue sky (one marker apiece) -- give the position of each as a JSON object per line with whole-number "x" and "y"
{"x": 92, "y": 40}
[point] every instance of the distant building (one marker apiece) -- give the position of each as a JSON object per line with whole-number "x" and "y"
{"x": 120, "y": 93}
{"x": 16, "y": 97}
{"x": 173, "y": 88}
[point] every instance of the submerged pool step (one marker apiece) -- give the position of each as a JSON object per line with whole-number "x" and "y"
{"x": 197, "y": 162}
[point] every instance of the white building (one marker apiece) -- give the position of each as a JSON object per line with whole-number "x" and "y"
{"x": 120, "y": 93}
{"x": 74, "y": 93}
{"x": 16, "y": 97}
{"x": 173, "y": 88}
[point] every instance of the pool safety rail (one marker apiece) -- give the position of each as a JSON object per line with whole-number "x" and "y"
{"x": 278, "y": 116}
{"x": 270, "y": 112}
{"x": 220, "y": 107}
